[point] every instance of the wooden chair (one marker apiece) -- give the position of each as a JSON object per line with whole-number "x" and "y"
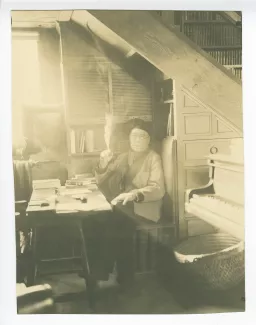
{"x": 22, "y": 239}
{"x": 23, "y": 190}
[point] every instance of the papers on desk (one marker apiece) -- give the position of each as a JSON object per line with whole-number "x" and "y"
{"x": 43, "y": 194}
{"x": 46, "y": 183}
{"x": 75, "y": 191}
{"x": 39, "y": 206}
{"x": 94, "y": 203}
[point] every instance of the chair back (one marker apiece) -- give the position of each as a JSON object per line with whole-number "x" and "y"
{"x": 22, "y": 180}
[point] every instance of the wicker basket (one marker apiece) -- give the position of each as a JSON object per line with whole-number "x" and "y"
{"x": 216, "y": 261}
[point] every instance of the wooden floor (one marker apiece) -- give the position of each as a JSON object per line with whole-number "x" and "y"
{"x": 149, "y": 295}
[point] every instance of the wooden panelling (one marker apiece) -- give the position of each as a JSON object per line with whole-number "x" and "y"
{"x": 195, "y": 124}
{"x": 217, "y": 128}
{"x": 199, "y": 123}
{"x": 222, "y": 128}
{"x": 193, "y": 109}
{"x": 188, "y": 102}
{"x": 199, "y": 150}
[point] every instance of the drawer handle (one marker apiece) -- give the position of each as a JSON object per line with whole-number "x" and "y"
{"x": 213, "y": 150}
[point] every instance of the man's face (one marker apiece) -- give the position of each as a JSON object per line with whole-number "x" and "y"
{"x": 139, "y": 140}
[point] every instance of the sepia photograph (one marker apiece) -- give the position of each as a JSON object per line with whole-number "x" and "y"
{"x": 128, "y": 161}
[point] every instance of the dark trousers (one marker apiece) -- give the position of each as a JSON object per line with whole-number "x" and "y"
{"x": 110, "y": 241}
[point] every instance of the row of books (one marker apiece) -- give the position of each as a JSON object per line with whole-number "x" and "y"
{"x": 237, "y": 72}
{"x": 227, "y": 57}
{"x": 213, "y": 34}
{"x": 201, "y": 15}
{"x": 81, "y": 141}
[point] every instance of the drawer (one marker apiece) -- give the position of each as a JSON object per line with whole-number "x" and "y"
{"x": 196, "y": 152}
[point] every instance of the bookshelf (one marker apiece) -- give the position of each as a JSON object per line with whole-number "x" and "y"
{"x": 86, "y": 154}
{"x": 235, "y": 69}
{"x": 216, "y": 36}
{"x": 221, "y": 47}
{"x": 164, "y": 91}
{"x": 211, "y": 32}
{"x": 87, "y": 140}
{"x": 216, "y": 21}
{"x": 164, "y": 107}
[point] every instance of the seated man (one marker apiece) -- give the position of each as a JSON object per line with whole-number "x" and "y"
{"x": 134, "y": 184}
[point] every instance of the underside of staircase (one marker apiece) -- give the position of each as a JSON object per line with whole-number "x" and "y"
{"x": 177, "y": 56}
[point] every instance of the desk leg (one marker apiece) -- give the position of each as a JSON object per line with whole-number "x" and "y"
{"x": 32, "y": 267}
{"x": 90, "y": 282}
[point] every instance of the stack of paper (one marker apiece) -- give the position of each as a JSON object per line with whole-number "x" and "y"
{"x": 46, "y": 183}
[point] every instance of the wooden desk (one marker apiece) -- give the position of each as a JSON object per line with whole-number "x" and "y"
{"x": 64, "y": 209}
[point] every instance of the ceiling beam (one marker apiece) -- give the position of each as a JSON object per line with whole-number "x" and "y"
{"x": 32, "y": 24}
{"x": 39, "y": 18}
{"x": 232, "y": 16}
{"x": 27, "y": 34}
{"x": 65, "y": 15}
{"x": 180, "y": 59}
{"x": 87, "y": 21}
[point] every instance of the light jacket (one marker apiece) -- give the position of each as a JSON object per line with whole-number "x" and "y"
{"x": 149, "y": 180}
